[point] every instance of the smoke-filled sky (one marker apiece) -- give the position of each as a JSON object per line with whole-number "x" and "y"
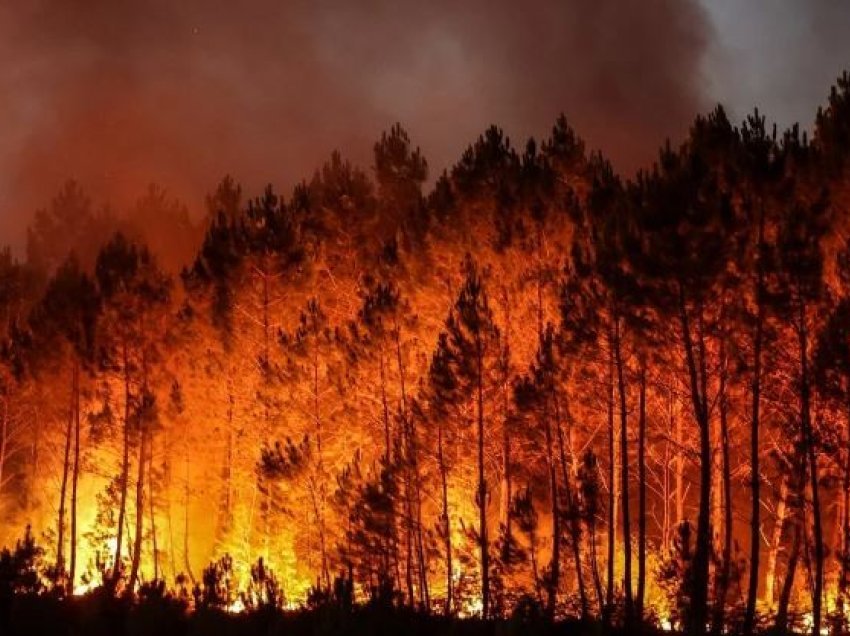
{"x": 118, "y": 93}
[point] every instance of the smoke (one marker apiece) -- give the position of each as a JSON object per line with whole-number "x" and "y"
{"x": 118, "y": 94}
{"x": 781, "y": 56}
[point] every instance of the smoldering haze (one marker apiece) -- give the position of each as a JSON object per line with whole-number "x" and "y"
{"x": 117, "y": 93}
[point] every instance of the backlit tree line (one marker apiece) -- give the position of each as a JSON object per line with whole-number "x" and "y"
{"x": 524, "y": 381}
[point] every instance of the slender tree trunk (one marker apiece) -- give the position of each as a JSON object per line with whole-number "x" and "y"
{"x": 169, "y": 486}
{"x": 555, "y": 563}
{"x": 775, "y": 545}
{"x": 4, "y": 444}
{"x": 63, "y": 493}
{"x": 75, "y": 477}
{"x": 422, "y": 581}
{"x": 726, "y": 481}
{"x": 140, "y": 512}
{"x": 186, "y": 560}
{"x": 680, "y": 467}
{"x": 573, "y": 516}
{"x": 446, "y": 524}
{"x": 594, "y": 568}
{"x": 624, "y": 472}
{"x": 844, "y": 553}
{"x": 781, "y": 621}
{"x": 408, "y": 529}
{"x": 228, "y": 468}
{"x": 612, "y": 501}
{"x": 152, "y": 512}
{"x": 641, "y": 582}
{"x": 755, "y": 481}
{"x": 484, "y": 542}
{"x": 319, "y": 505}
{"x": 809, "y": 444}
{"x": 698, "y": 611}
{"x": 125, "y": 467}
{"x": 385, "y": 411}
{"x": 506, "y": 432}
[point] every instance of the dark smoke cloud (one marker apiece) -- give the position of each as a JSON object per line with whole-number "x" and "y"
{"x": 118, "y": 93}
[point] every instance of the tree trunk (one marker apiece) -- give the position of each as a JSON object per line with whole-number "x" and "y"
{"x": 319, "y": 505}
{"x": 775, "y": 545}
{"x": 484, "y": 544}
{"x": 755, "y": 480}
{"x": 555, "y": 563}
{"x": 4, "y": 443}
{"x": 624, "y": 473}
{"x": 385, "y": 411}
{"x": 726, "y": 482}
{"x": 612, "y": 501}
{"x": 641, "y": 582}
{"x": 447, "y": 538}
{"x": 66, "y": 465}
{"x": 169, "y": 486}
{"x": 125, "y": 467}
{"x": 573, "y": 515}
{"x": 75, "y": 477}
{"x": 152, "y": 512}
{"x": 781, "y": 621}
{"x": 809, "y": 445}
{"x": 698, "y": 611}
{"x": 140, "y": 513}
{"x": 186, "y": 560}
{"x": 844, "y": 553}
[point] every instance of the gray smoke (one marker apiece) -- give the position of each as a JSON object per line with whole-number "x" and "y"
{"x": 118, "y": 94}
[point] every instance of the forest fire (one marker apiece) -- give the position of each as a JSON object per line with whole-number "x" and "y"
{"x": 537, "y": 393}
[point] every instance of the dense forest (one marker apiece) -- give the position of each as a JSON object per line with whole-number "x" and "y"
{"x": 524, "y": 387}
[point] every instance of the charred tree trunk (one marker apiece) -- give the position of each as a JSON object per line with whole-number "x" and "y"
{"x": 506, "y": 432}
{"x": 318, "y": 488}
{"x": 624, "y": 473}
{"x": 75, "y": 477}
{"x": 4, "y": 445}
{"x": 726, "y": 482}
{"x": 776, "y": 544}
{"x": 186, "y": 560}
{"x": 641, "y": 581}
{"x": 612, "y": 501}
{"x": 755, "y": 481}
{"x": 811, "y": 455}
{"x": 444, "y": 518}
{"x": 844, "y": 552}
{"x": 63, "y": 493}
{"x": 555, "y": 563}
{"x": 781, "y": 621}
{"x": 385, "y": 410}
{"x": 152, "y": 513}
{"x": 572, "y": 515}
{"x": 481, "y": 497}
{"x": 140, "y": 512}
{"x": 698, "y": 611}
{"x": 125, "y": 466}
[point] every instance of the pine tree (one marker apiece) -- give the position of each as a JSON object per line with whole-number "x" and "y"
{"x": 136, "y": 296}
{"x": 679, "y": 250}
{"x": 66, "y": 317}
{"x": 400, "y": 172}
{"x": 472, "y": 340}
{"x": 801, "y": 228}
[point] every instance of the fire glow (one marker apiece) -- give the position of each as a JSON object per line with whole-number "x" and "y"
{"x": 539, "y": 391}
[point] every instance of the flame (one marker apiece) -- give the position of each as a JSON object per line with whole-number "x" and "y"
{"x": 809, "y": 622}
{"x": 471, "y": 608}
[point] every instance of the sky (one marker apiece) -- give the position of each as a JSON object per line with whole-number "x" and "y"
{"x": 118, "y": 94}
